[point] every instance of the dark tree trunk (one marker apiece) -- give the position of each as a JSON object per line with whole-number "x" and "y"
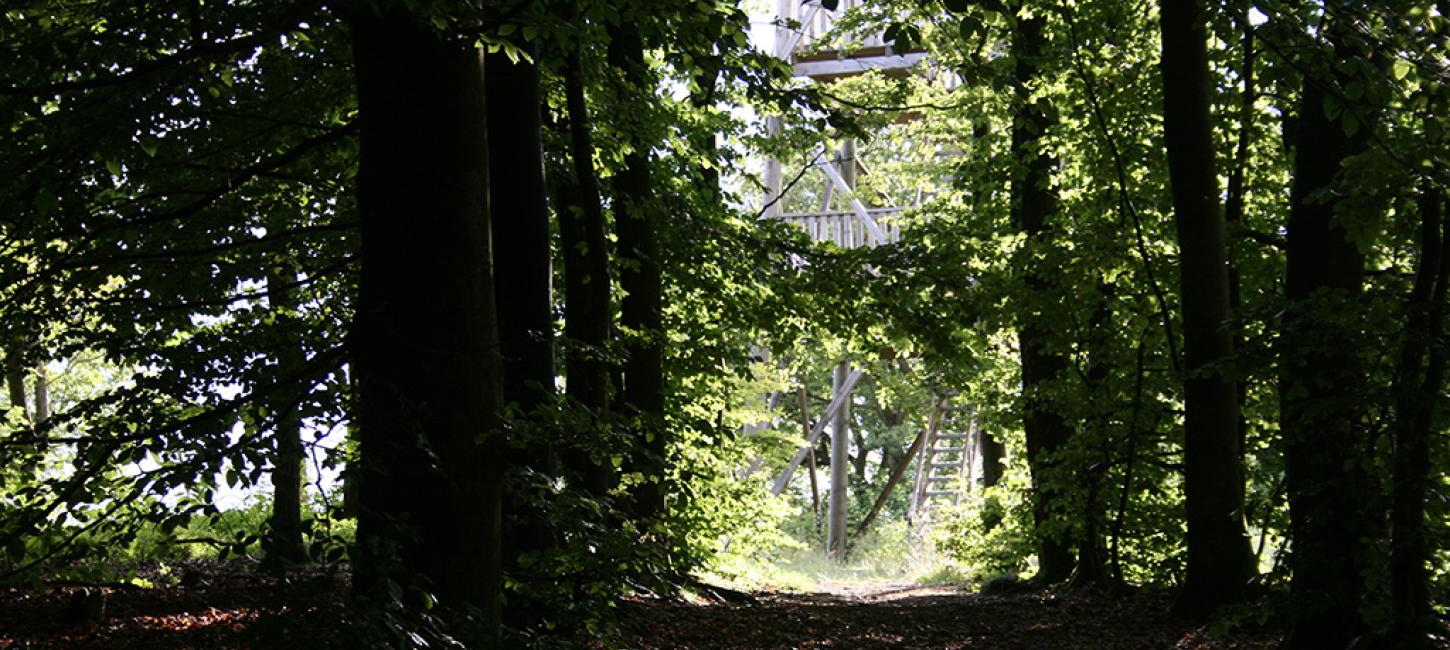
{"x": 15, "y": 382}
{"x": 1033, "y": 203}
{"x": 1416, "y": 393}
{"x": 642, "y": 398}
{"x": 1092, "y": 557}
{"x": 285, "y": 544}
{"x": 858, "y": 462}
{"x": 992, "y": 452}
{"x": 1320, "y": 386}
{"x": 523, "y": 262}
{"x": 1220, "y": 562}
{"x": 523, "y": 259}
{"x": 1237, "y": 197}
{"x": 588, "y": 313}
{"x": 425, "y": 344}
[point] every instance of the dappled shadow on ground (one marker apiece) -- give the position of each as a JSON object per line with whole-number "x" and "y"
{"x": 899, "y": 616}
{"x": 217, "y": 605}
{"x": 211, "y": 606}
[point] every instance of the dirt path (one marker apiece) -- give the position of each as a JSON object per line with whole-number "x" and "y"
{"x": 908, "y": 616}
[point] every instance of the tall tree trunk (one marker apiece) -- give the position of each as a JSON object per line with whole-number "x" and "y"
{"x": 642, "y": 397}
{"x": 1416, "y": 394}
{"x": 1320, "y": 383}
{"x": 1220, "y": 562}
{"x": 1033, "y": 203}
{"x": 1092, "y": 557}
{"x": 523, "y": 248}
{"x": 1237, "y": 197}
{"x": 524, "y": 258}
{"x": 285, "y": 543}
{"x": 425, "y": 344}
{"x": 588, "y": 312}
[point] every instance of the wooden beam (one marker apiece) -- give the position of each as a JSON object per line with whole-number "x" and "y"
{"x": 836, "y": 531}
{"x": 811, "y": 456}
{"x": 785, "y": 46}
{"x": 837, "y": 400}
{"x": 856, "y": 205}
{"x": 844, "y": 67}
{"x": 933, "y": 420}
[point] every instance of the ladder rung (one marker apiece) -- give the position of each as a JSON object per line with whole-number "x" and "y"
{"x": 948, "y": 450}
{"x": 956, "y": 407}
{"x": 951, "y": 436}
{"x": 941, "y": 493}
{"x": 941, "y": 479}
{"x": 952, "y": 464}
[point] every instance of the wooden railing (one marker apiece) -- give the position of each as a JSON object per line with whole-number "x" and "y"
{"x": 823, "y": 21}
{"x": 845, "y": 229}
{"x": 816, "y": 22}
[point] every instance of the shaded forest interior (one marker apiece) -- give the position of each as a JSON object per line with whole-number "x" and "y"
{"x": 704, "y": 323}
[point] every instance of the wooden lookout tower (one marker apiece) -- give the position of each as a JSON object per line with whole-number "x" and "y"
{"x": 944, "y": 451}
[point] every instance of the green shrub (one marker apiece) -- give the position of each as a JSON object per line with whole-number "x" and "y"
{"x": 990, "y": 534}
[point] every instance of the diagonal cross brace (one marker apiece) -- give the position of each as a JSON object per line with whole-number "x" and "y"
{"x": 785, "y": 48}
{"x": 856, "y": 205}
{"x": 837, "y": 401}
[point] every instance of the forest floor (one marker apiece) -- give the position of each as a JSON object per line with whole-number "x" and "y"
{"x": 909, "y": 616}
{"x": 211, "y": 605}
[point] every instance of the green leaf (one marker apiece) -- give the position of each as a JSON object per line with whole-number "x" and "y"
{"x": 1400, "y": 68}
{"x": 114, "y": 166}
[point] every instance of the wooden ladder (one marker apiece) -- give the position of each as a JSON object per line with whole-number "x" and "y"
{"x": 944, "y": 467}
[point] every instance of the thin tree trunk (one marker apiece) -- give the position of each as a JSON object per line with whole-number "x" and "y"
{"x": 992, "y": 451}
{"x": 1416, "y": 395}
{"x": 523, "y": 256}
{"x": 642, "y": 397}
{"x": 425, "y": 346}
{"x": 1234, "y": 202}
{"x": 285, "y": 544}
{"x": 1033, "y": 203}
{"x": 588, "y": 312}
{"x": 1220, "y": 562}
{"x": 1321, "y": 383}
{"x": 858, "y": 462}
{"x": 1092, "y": 571}
{"x": 42, "y": 393}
